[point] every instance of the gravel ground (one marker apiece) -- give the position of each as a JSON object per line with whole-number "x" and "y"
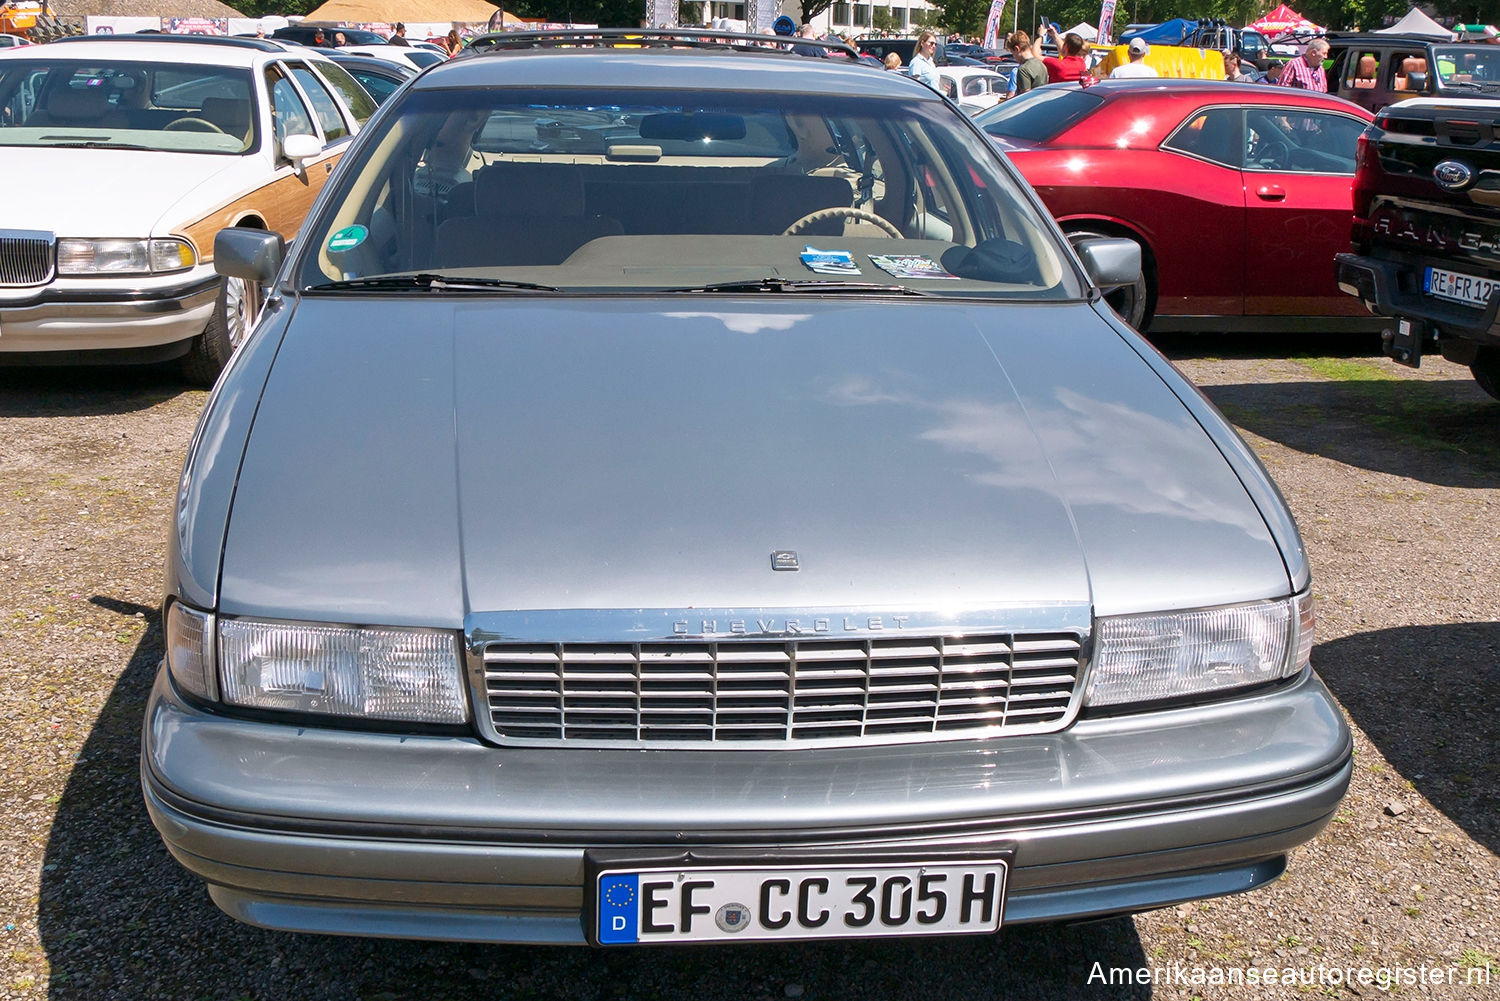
{"x": 1395, "y": 479}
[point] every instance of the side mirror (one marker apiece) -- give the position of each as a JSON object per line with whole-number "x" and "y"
{"x": 252, "y": 254}
{"x": 300, "y": 148}
{"x": 1416, "y": 81}
{"x": 1110, "y": 261}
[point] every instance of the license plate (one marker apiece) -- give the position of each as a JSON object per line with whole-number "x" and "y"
{"x": 767, "y": 902}
{"x": 1458, "y": 287}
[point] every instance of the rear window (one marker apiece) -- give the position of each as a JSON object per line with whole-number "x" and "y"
{"x": 1038, "y": 115}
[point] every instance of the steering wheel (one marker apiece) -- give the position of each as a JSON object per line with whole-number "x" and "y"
{"x": 1274, "y": 153}
{"x": 843, "y": 212}
{"x": 190, "y": 124}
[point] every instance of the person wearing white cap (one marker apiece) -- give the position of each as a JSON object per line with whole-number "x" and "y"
{"x": 1137, "y": 66}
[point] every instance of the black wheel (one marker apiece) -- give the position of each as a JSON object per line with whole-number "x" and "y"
{"x": 233, "y": 316}
{"x": 1486, "y": 369}
{"x": 1136, "y": 302}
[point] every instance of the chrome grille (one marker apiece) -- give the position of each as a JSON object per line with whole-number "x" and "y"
{"x": 781, "y": 691}
{"x": 26, "y": 258}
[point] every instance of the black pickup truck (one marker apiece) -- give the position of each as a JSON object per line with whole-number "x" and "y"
{"x": 1426, "y": 239}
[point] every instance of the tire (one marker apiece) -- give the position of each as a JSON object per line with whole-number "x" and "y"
{"x": 226, "y": 330}
{"x": 1486, "y": 370}
{"x": 1137, "y": 302}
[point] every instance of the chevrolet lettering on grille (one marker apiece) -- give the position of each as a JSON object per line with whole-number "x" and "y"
{"x": 791, "y": 627}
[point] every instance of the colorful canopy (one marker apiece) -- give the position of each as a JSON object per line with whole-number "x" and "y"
{"x": 1284, "y": 21}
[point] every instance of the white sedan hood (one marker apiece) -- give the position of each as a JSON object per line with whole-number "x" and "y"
{"x": 108, "y": 192}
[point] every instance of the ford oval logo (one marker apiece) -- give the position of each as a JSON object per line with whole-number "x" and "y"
{"x": 1453, "y": 175}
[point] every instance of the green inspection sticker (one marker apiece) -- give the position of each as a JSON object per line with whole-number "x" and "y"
{"x": 348, "y": 238}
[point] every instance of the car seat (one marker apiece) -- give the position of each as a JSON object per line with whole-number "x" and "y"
{"x": 87, "y": 107}
{"x": 524, "y": 214}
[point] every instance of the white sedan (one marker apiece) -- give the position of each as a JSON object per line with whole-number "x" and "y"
{"x": 972, "y": 88}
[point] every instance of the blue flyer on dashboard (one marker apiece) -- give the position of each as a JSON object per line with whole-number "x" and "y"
{"x": 829, "y": 262}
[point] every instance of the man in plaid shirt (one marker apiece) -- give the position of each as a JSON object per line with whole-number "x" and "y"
{"x": 1306, "y": 71}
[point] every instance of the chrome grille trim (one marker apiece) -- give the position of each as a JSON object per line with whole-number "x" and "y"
{"x": 774, "y": 691}
{"x": 27, "y": 257}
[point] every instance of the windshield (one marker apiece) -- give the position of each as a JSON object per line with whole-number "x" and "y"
{"x": 1038, "y": 115}
{"x": 664, "y": 191}
{"x": 1468, "y": 64}
{"x": 137, "y": 105}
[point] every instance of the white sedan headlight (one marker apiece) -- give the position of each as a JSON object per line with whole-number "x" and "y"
{"x": 1144, "y": 658}
{"x": 384, "y": 673}
{"x": 123, "y": 257}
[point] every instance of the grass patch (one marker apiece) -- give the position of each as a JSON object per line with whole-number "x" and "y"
{"x": 1346, "y": 369}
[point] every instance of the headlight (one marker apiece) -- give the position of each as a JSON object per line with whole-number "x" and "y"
{"x": 376, "y": 673}
{"x": 190, "y": 650}
{"x": 1142, "y": 658}
{"x": 123, "y": 257}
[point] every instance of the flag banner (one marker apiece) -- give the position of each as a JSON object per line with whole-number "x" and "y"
{"x": 1106, "y": 22}
{"x": 992, "y": 25}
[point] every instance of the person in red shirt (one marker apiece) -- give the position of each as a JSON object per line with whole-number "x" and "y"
{"x": 1069, "y": 64}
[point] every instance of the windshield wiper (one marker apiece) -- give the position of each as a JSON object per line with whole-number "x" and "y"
{"x": 96, "y": 144}
{"x": 804, "y": 285}
{"x": 428, "y": 283}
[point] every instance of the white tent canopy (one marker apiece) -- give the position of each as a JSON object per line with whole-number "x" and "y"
{"x": 1417, "y": 23}
{"x": 1084, "y": 30}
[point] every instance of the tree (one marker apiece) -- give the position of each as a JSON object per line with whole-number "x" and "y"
{"x": 964, "y": 16}
{"x": 812, "y": 8}
{"x": 884, "y": 20}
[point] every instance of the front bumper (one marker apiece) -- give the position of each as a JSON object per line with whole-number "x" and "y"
{"x": 70, "y": 320}
{"x": 304, "y": 829}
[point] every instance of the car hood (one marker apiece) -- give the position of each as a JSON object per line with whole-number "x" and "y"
{"x": 131, "y": 189}
{"x": 416, "y": 460}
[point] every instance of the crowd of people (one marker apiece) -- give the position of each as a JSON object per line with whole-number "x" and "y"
{"x": 1068, "y": 59}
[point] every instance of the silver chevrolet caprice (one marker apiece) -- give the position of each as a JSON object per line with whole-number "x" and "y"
{"x": 695, "y": 494}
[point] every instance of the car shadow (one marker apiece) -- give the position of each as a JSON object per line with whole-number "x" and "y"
{"x": 86, "y": 391}
{"x": 1429, "y": 699}
{"x": 119, "y": 918}
{"x": 1444, "y": 431}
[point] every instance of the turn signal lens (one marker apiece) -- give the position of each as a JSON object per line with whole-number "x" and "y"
{"x": 190, "y": 650}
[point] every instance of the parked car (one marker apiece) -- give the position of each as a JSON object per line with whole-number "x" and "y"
{"x": 972, "y": 88}
{"x": 9, "y": 41}
{"x": 1239, "y": 195}
{"x": 905, "y": 47}
{"x": 159, "y": 141}
{"x": 303, "y": 33}
{"x": 401, "y": 55}
{"x": 754, "y": 528}
{"x": 1426, "y": 228}
{"x": 379, "y": 77}
{"x": 1375, "y": 70}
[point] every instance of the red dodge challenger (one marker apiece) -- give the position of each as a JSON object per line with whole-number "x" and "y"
{"x": 1239, "y": 194}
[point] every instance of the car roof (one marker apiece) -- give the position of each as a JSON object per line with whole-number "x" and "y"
{"x": 713, "y": 70}
{"x": 1376, "y": 38}
{"x": 220, "y": 50}
{"x": 1119, "y": 118}
{"x": 389, "y": 67}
